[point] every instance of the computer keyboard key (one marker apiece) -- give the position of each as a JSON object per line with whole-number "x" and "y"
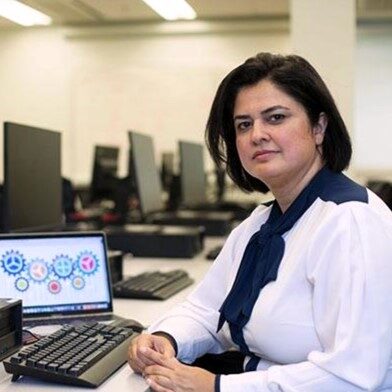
{"x": 16, "y": 359}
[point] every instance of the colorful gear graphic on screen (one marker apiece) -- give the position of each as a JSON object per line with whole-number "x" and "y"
{"x": 87, "y": 262}
{"x": 21, "y": 284}
{"x": 54, "y": 286}
{"x": 63, "y": 266}
{"x": 38, "y": 270}
{"x": 78, "y": 282}
{"x": 13, "y": 262}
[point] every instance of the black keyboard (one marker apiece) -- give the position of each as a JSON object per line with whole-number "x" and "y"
{"x": 152, "y": 285}
{"x": 84, "y": 355}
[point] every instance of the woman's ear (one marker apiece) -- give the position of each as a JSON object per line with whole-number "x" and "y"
{"x": 319, "y": 128}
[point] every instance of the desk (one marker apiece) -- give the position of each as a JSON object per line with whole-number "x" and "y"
{"x": 142, "y": 310}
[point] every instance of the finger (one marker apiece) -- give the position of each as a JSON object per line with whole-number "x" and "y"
{"x": 156, "y": 357}
{"x": 137, "y": 361}
{"x": 145, "y": 358}
{"x": 163, "y": 346}
{"x": 157, "y": 370}
{"x": 136, "y": 365}
{"x": 158, "y": 384}
{"x": 133, "y": 361}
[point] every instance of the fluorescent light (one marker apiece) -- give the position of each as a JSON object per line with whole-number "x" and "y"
{"x": 22, "y": 13}
{"x": 172, "y": 9}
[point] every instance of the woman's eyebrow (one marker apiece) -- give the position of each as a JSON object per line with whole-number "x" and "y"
{"x": 272, "y": 108}
{"x": 241, "y": 117}
{"x": 265, "y": 111}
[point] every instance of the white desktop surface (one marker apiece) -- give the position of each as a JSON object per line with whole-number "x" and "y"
{"x": 145, "y": 311}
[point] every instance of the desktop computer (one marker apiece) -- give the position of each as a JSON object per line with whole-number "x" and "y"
{"x": 194, "y": 185}
{"x": 32, "y": 192}
{"x": 150, "y": 194}
{"x": 142, "y": 238}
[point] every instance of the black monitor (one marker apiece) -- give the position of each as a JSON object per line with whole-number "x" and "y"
{"x": 192, "y": 174}
{"x": 146, "y": 173}
{"x": 32, "y": 194}
{"x": 104, "y": 178}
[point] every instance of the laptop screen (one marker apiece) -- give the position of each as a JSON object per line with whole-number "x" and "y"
{"x": 56, "y": 273}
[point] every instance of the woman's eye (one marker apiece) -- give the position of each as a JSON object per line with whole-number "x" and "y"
{"x": 243, "y": 125}
{"x": 274, "y": 118}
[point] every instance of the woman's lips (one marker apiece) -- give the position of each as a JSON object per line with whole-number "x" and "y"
{"x": 264, "y": 154}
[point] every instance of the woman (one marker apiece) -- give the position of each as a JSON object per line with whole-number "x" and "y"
{"x": 302, "y": 287}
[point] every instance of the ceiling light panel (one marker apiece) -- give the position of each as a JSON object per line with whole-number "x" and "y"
{"x": 172, "y": 9}
{"x": 22, "y": 14}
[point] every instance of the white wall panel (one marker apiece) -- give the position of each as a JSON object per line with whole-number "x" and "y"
{"x": 95, "y": 89}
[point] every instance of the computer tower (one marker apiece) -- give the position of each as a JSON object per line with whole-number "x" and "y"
{"x": 10, "y": 326}
{"x": 156, "y": 240}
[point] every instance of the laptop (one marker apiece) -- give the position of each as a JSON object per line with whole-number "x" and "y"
{"x": 60, "y": 277}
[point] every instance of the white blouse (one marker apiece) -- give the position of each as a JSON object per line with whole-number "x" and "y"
{"x": 325, "y": 324}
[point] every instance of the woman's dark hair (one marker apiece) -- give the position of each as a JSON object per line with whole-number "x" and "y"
{"x": 297, "y": 78}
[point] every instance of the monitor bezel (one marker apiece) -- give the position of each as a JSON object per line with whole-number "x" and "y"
{"x": 43, "y": 235}
{"x": 8, "y": 226}
{"x": 201, "y": 198}
{"x": 142, "y": 208}
{"x": 96, "y": 172}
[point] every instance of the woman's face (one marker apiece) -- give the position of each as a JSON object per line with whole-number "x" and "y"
{"x": 275, "y": 140}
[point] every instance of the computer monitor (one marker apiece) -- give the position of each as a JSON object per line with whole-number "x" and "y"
{"x": 104, "y": 177}
{"x": 192, "y": 174}
{"x": 146, "y": 173}
{"x": 32, "y": 194}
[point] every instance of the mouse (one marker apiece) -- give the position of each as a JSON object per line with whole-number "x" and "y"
{"x": 129, "y": 323}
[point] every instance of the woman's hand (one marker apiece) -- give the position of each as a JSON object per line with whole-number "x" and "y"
{"x": 137, "y": 360}
{"x": 170, "y": 375}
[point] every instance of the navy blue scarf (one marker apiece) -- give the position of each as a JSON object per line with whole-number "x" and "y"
{"x": 265, "y": 250}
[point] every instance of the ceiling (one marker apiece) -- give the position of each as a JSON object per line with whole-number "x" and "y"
{"x": 104, "y": 12}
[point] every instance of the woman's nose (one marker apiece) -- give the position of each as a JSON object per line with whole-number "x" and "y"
{"x": 259, "y": 132}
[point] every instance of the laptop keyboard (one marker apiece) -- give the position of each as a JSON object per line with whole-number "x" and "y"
{"x": 84, "y": 355}
{"x": 153, "y": 285}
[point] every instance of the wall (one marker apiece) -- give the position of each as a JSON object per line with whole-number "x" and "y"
{"x": 95, "y": 87}
{"x": 373, "y": 100}
{"x": 35, "y": 82}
